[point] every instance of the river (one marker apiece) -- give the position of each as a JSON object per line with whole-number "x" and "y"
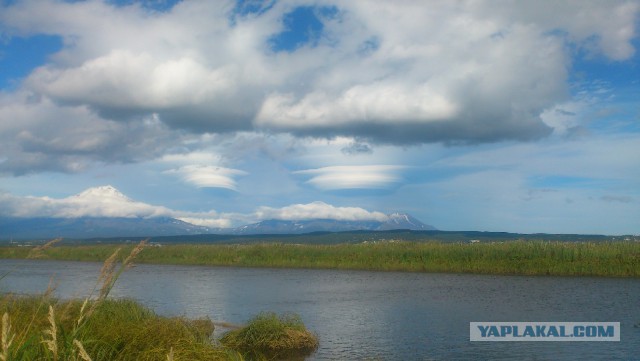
{"x": 369, "y": 315}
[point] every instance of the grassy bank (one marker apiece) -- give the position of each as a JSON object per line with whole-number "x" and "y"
{"x": 609, "y": 259}
{"x": 98, "y": 328}
{"x": 43, "y": 328}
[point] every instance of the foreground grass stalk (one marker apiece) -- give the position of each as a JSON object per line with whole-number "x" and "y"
{"x": 52, "y": 332}
{"x": 38, "y": 252}
{"x": 7, "y": 337}
{"x": 82, "y": 353}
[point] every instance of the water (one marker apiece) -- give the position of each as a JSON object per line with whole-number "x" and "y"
{"x": 370, "y": 315}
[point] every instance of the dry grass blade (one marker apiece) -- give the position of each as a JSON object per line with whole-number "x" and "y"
{"x": 52, "y": 343}
{"x": 7, "y": 338}
{"x": 134, "y": 252}
{"x": 109, "y": 265}
{"x": 107, "y": 273}
{"x": 36, "y": 252}
{"x": 50, "y": 288}
{"x": 81, "y": 351}
{"x": 82, "y": 314}
{"x": 170, "y": 355}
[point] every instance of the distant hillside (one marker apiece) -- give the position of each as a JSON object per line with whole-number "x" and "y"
{"x": 107, "y": 227}
{"x": 362, "y": 236}
{"x": 91, "y": 227}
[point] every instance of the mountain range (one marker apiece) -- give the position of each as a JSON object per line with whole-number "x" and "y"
{"x": 99, "y": 221}
{"x": 92, "y": 227}
{"x": 276, "y": 226}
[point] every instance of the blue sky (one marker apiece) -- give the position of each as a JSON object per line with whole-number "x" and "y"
{"x": 469, "y": 116}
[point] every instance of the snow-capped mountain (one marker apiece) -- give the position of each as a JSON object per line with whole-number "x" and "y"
{"x": 405, "y": 221}
{"x": 275, "y": 226}
{"x": 103, "y": 193}
{"x": 96, "y": 212}
{"x": 106, "y": 212}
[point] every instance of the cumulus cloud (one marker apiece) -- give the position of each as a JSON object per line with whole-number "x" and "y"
{"x": 447, "y": 72}
{"x": 38, "y": 135}
{"x": 353, "y": 177}
{"x": 103, "y": 201}
{"x": 372, "y": 103}
{"x": 319, "y": 210}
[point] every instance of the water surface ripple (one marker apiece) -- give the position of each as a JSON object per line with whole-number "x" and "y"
{"x": 370, "y": 315}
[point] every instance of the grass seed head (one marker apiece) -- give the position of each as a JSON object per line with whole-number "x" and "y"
{"x": 81, "y": 351}
{"x": 7, "y": 338}
{"x": 36, "y": 252}
{"x": 52, "y": 332}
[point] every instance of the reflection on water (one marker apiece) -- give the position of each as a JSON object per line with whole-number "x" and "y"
{"x": 369, "y": 315}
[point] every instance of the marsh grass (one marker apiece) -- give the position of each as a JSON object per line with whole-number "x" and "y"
{"x": 613, "y": 259}
{"x": 117, "y": 330}
{"x": 607, "y": 259}
{"x": 273, "y": 336}
{"x": 98, "y": 328}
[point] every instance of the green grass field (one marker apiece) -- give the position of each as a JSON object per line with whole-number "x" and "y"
{"x": 608, "y": 259}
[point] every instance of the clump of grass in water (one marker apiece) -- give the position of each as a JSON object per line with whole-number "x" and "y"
{"x": 273, "y": 336}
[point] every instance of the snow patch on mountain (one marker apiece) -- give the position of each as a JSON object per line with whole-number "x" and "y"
{"x": 101, "y": 194}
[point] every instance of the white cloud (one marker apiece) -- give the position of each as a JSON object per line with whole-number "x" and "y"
{"x": 213, "y": 222}
{"x": 40, "y": 135}
{"x": 374, "y": 103}
{"x": 94, "y": 202}
{"x": 104, "y": 201}
{"x": 198, "y": 90}
{"x": 197, "y": 157}
{"x": 207, "y": 176}
{"x": 319, "y": 210}
{"x": 471, "y": 71}
{"x": 124, "y": 79}
{"x": 581, "y": 21}
{"x": 353, "y": 177}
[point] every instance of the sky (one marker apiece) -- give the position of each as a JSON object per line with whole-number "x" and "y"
{"x": 517, "y": 116}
